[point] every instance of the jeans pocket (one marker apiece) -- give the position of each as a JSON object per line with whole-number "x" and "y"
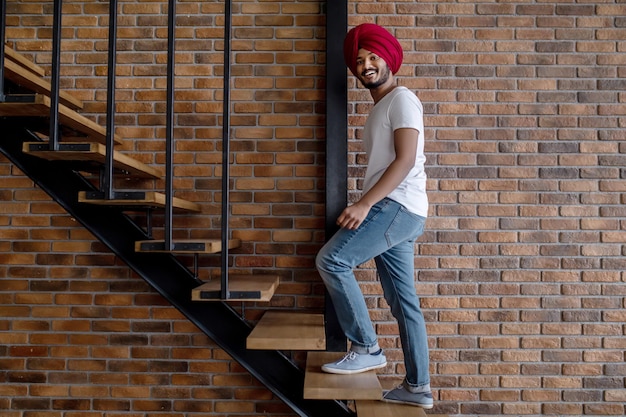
{"x": 406, "y": 226}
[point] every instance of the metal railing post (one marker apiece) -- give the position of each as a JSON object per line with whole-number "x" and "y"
{"x": 226, "y": 148}
{"x": 336, "y": 145}
{"x": 55, "y": 75}
{"x": 3, "y": 23}
{"x": 169, "y": 141}
{"x": 107, "y": 179}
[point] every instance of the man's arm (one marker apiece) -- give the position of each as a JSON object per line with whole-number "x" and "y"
{"x": 405, "y": 145}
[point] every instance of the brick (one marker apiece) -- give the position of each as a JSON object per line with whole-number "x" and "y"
{"x": 615, "y": 395}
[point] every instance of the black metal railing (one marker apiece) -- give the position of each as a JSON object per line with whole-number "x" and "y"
{"x": 165, "y": 273}
{"x": 107, "y": 177}
{"x": 3, "y": 34}
{"x": 225, "y": 224}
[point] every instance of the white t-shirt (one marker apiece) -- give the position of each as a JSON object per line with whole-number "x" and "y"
{"x": 400, "y": 108}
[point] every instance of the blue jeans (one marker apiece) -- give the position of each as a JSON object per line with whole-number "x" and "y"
{"x": 388, "y": 235}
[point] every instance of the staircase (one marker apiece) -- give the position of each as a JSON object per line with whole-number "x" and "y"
{"x": 24, "y": 143}
{"x": 85, "y": 150}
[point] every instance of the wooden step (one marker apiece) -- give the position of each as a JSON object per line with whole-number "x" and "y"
{"x": 383, "y": 409}
{"x": 91, "y": 152}
{"x": 287, "y": 330}
{"x": 29, "y": 79}
{"x": 136, "y": 200}
{"x": 186, "y": 246}
{"x": 38, "y": 105}
{"x": 319, "y": 385}
{"x": 265, "y": 285}
{"x": 21, "y": 60}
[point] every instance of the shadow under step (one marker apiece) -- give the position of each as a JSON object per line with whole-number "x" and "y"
{"x": 319, "y": 385}
{"x": 190, "y": 246}
{"x": 38, "y": 105}
{"x": 92, "y": 152}
{"x": 134, "y": 200}
{"x": 383, "y": 409}
{"x": 240, "y": 288}
{"x": 286, "y": 330}
{"x": 25, "y": 73}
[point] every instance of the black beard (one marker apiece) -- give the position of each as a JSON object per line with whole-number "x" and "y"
{"x": 375, "y": 84}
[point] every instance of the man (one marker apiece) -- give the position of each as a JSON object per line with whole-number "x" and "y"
{"x": 385, "y": 222}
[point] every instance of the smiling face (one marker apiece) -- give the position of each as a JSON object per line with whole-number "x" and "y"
{"x": 371, "y": 69}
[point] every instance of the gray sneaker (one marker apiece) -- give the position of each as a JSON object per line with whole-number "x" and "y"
{"x": 353, "y": 363}
{"x": 402, "y": 395}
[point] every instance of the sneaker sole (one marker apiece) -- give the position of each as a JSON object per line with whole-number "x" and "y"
{"x": 424, "y": 406}
{"x": 352, "y": 371}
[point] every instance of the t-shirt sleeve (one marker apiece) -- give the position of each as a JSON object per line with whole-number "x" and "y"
{"x": 406, "y": 111}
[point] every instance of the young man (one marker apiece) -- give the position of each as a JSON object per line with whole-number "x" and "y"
{"x": 385, "y": 222}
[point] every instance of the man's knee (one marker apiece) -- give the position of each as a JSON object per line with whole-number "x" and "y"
{"x": 325, "y": 262}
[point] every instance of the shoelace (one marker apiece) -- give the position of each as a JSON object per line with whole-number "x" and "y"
{"x": 350, "y": 356}
{"x": 401, "y": 386}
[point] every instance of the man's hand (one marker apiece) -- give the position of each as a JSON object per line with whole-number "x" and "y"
{"x": 352, "y": 216}
{"x": 405, "y": 145}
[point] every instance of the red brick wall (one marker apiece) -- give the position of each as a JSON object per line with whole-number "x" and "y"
{"x": 520, "y": 270}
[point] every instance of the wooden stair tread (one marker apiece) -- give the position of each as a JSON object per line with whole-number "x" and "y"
{"x": 91, "y": 152}
{"x": 25, "y": 77}
{"x": 137, "y": 199}
{"x": 186, "y": 246}
{"x": 40, "y": 107}
{"x": 265, "y": 284}
{"x": 367, "y": 408}
{"x": 288, "y": 331}
{"x": 21, "y": 60}
{"x": 319, "y": 385}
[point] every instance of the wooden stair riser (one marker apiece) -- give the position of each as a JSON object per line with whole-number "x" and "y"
{"x": 135, "y": 200}
{"x": 265, "y": 285}
{"x": 319, "y": 385}
{"x": 39, "y": 106}
{"x": 92, "y": 152}
{"x": 288, "y": 331}
{"x": 21, "y": 60}
{"x": 30, "y": 79}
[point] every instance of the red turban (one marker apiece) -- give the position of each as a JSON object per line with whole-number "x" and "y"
{"x": 375, "y": 39}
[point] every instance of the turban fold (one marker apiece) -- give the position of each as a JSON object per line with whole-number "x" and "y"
{"x": 375, "y": 39}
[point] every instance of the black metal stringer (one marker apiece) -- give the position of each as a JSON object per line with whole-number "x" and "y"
{"x": 173, "y": 280}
